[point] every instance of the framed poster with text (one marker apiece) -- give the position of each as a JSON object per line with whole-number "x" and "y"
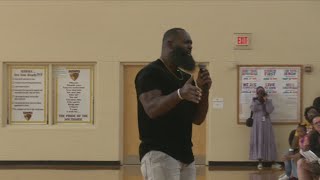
{"x": 28, "y": 89}
{"x": 73, "y": 93}
{"x": 283, "y": 85}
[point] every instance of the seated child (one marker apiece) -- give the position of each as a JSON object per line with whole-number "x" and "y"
{"x": 290, "y": 159}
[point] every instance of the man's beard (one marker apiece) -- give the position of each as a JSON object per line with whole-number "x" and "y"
{"x": 182, "y": 59}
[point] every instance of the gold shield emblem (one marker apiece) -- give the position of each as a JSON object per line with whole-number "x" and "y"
{"x": 27, "y": 115}
{"x": 74, "y": 74}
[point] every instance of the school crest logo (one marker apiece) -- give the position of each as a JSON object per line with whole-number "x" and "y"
{"x": 27, "y": 115}
{"x": 74, "y": 74}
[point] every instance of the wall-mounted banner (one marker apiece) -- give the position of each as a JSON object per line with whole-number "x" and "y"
{"x": 282, "y": 84}
{"x": 27, "y": 94}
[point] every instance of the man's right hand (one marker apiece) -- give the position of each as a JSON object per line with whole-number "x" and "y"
{"x": 190, "y": 92}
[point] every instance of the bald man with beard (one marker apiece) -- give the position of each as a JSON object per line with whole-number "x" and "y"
{"x": 169, "y": 102}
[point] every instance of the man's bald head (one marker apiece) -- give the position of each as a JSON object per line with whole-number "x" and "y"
{"x": 177, "y": 47}
{"x": 171, "y": 34}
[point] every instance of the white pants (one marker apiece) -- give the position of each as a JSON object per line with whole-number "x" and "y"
{"x": 156, "y": 165}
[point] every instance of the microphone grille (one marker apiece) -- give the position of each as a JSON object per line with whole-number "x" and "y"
{"x": 202, "y": 66}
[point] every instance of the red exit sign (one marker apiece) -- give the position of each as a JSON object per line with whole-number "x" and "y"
{"x": 242, "y": 41}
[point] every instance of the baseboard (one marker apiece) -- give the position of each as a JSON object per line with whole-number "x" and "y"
{"x": 239, "y": 163}
{"x": 61, "y": 164}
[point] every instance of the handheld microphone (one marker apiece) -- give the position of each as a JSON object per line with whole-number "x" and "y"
{"x": 202, "y": 67}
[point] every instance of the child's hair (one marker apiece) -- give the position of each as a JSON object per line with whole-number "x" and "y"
{"x": 306, "y": 110}
{"x": 316, "y": 102}
{"x": 303, "y": 126}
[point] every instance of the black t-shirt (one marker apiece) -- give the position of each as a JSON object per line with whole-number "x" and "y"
{"x": 170, "y": 133}
{"x": 314, "y": 140}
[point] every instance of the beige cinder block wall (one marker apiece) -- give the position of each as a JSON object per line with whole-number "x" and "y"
{"x": 111, "y": 32}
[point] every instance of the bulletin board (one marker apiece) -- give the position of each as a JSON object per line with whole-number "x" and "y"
{"x": 283, "y": 84}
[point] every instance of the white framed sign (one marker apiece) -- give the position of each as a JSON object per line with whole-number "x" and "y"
{"x": 283, "y": 85}
{"x": 73, "y": 93}
{"x": 27, "y": 94}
